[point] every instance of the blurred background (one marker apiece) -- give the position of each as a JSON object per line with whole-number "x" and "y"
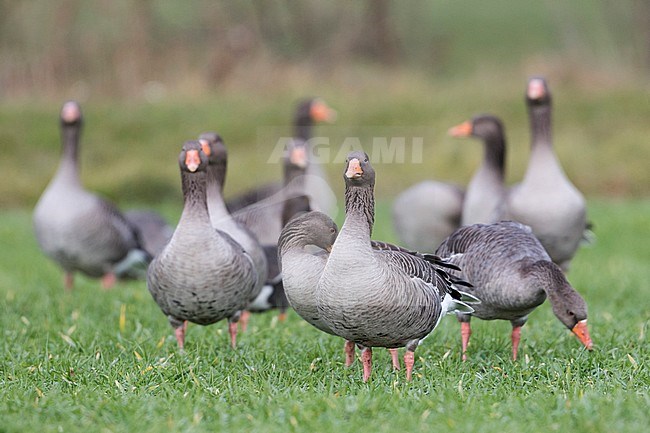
{"x": 151, "y": 74}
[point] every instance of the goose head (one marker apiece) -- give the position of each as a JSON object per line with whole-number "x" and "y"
{"x": 192, "y": 159}
{"x": 315, "y": 228}
{"x": 537, "y": 92}
{"x": 484, "y": 126}
{"x": 297, "y": 154}
{"x": 567, "y": 304}
{"x": 213, "y": 146}
{"x": 71, "y": 113}
{"x": 314, "y": 110}
{"x": 358, "y": 171}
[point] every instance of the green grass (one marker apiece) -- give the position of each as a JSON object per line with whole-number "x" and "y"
{"x": 129, "y": 150}
{"x": 94, "y": 360}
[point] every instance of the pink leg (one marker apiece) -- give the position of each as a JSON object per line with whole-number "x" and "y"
{"x": 395, "y": 357}
{"x": 465, "y": 332}
{"x": 516, "y": 335}
{"x": 409, "y": 360}
{"x": 243, "y": 320}
{"x": 349, "y": 353}
{"x": 108, "y": 280}
{"x": 232, "y": 328}
{"x": 180, "y": 335}
{"x": 68, "y": 281}
{"x": 366, "y": 359}
{"x": 282, "y": 316}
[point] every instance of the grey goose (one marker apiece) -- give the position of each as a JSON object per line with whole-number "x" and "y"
{"x": 214, "y": 147}
{"x": 485, "y": 195}
{"x": 304, "y": 247}
{"x": 379, "y": 298}
{"x": 202, "y": 275}
{"x": 546, "y": 200}
{"x": 511, "y": 274}
{"x": 77, "y": 229}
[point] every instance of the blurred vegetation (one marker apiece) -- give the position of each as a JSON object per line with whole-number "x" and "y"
{"x": 153, "y": 73}
{"x": 127, "y": 48}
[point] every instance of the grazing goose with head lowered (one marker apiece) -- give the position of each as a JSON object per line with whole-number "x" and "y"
{"x": 512, "y": 275}
{"x": 379, "y": 298}
{"x": 202, "y": 275}
{"x": 485, "y": 195}
{"x": 546, "y": 200}
{"x": 308, "y": 113}
{"x": 77, "y": 229}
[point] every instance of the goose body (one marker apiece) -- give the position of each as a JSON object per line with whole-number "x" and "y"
{"x": 486, "y": 194}
{"x": 426, "y": 213}
{"x": 512, "y": 274}
{"x": 202, "y": 275}
{"x": 304, "y": 247}
{"x": 154, "y": 231}
{"x": 77, "y": 229}
{"x": 378, "y": 298}
{"x": 546, "y": 200}
{"x": 220, "y": 218}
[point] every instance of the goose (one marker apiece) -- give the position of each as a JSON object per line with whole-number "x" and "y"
{"x": 546, "y": 200}
{"x": 512, "y": 274}
{"x": 486, "y": 194}
{"x": 202, "y": 275}
{"x": 379, "y": 298}
{"x": 303, "y": 248}
{"x": 308, "y": 112}
{"x": 154, "y": 230}
{"x": 214, "y": 147}
{"x": 75, "y": 228}
{"x": 426, "y": 213}
{"x": 270, "y": 294}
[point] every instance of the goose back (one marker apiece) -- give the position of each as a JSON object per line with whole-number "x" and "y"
{"x": 426, "y": 213}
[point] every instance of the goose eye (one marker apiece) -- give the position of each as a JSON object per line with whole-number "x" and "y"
{"x": 570, "y": 313}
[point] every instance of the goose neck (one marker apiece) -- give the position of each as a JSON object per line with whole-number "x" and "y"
{"x": 214, "y": 193}
{"x": 68, "y": 166}
{"x": 495, "y": 153}
{"x": 540, "y": 125}
{"x": 360, "y": 208}
{"x": 303, "y": 129}
{"x": 194, "y": 196}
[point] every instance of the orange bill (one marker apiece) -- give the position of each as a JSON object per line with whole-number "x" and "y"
{"x": 70, "y": 112}
{"x": 462, "y": 130}
{"x": 298, "y": 156}
{"x": 580, "y": 330}
{"x": 320, "y": 112}
{"x": 205, "y": 146}
{"x": 192, "y": 160}
{"x": 354, "y": 170}
{"x": 536, "y": 89}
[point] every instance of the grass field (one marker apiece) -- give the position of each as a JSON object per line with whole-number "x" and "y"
{"x": 94, "y": 360}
